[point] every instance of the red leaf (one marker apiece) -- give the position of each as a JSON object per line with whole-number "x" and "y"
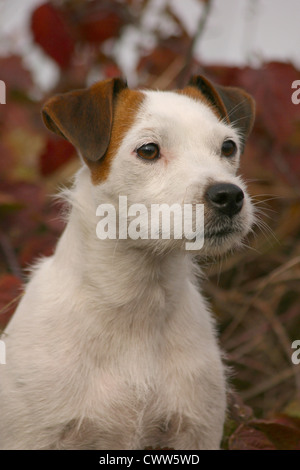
{"x": 266, "y": 435}
{"x": 271, "y": 87}
{"x": 111, "y": 70}
{"x": 14, "y": 75}
{"x": 6, "y": 160}
{"x": 160, "y": 58}
{"x": 10, "y": 291}
{"x": 101, "y": 21}
{"x": 275, "y": 143}
{"x": 36, "y": 247}
{"x": 56, "y": 154}
{"x": 52, "y": 33}
{"x": 32, "y": 222}
{"x": 26, "y": 214}
{"x": 283, "y": 436}
{"x": 28, "y": 195}
{"x": 248, "y": 438}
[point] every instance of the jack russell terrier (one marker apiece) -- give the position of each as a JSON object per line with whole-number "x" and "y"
{"x": 112, "y": 345}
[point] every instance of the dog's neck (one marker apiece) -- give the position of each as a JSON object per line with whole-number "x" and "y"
{"x": 115, "y": 274}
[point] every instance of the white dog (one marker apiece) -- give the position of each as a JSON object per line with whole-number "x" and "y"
{"x": 112, "y": 345}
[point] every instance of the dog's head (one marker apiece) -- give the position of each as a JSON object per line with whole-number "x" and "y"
{"x": 181, "y": 147}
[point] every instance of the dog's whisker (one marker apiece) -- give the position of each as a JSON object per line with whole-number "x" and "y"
{"x": 266, "y": 230}
{"x": 234, "y": 109}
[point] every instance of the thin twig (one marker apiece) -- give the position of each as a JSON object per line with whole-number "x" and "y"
{"x": 262, "y": 284}
{"x": 280, "y": 332}
{"x": 10, "y": 256}
{"x": 268, "y": 384}
{"x": 190, "y": 52}
{"x": 6, "y": 307}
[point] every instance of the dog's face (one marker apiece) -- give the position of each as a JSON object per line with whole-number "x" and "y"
{"x": 153, "y": 147}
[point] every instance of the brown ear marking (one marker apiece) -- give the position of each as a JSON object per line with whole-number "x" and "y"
{"x": 84, "y": 117}
{"x": 232, "y": 104}
{"x": 126, "y": 108}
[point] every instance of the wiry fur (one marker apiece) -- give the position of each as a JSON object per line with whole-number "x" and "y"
{"x": 112, "y": 345}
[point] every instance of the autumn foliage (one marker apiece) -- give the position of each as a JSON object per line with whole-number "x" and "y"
{"x": 255, "y": 293}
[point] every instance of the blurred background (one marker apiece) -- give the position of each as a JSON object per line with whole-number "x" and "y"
{"x": 50, "y": 47}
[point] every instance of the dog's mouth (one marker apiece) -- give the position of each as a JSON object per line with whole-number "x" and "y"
{"x": 222, "y": 228}
{"x": 222, "y": 233}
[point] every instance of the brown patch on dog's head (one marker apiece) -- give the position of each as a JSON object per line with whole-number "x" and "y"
{"x": 196, "y": 94}
{"x": 126, "y": 107}
{"x": 94, "y": 120}
{"x": 232, "y": 104}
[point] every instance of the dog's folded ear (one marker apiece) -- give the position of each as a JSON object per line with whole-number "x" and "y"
{"x": 84, "y": 117}
{"x": 234, "y": 105}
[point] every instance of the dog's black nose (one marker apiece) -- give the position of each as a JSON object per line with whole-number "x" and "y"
{"x": 225, "y": 197}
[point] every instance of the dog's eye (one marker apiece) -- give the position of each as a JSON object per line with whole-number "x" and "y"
{"x": 229, "y": 148}
{"x": 148, "y": 151}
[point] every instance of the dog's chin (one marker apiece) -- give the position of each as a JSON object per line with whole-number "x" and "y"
{"x": 216, "y": 243}
{"x": 220, "y": 240}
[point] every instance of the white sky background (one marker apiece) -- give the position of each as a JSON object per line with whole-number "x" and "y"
{"x": 238, "y": 32}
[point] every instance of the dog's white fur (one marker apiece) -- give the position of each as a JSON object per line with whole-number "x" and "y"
{"x": 112, "y": 345}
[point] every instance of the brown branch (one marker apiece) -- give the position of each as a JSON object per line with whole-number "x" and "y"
{"x": 260, "y": 288}
{"x": 268, "y": 384}
{"x": 182, "y": 77}
{"x": 10, "y": 256}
